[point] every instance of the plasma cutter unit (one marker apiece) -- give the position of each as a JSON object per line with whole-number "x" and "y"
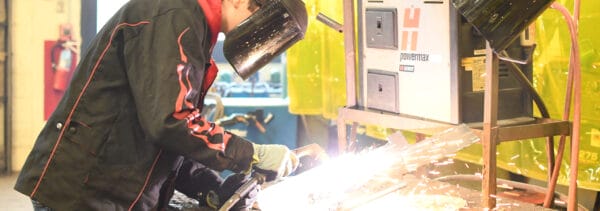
{"x": 423, "y": 59}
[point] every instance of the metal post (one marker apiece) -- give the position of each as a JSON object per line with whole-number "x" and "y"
{"x": 350, "y": 50}
{"x": 490, "y": 117}
{"x": 341, "y": 130}
{"x": 8, "y": 103}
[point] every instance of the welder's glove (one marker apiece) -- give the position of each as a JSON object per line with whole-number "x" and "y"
{"x": 274, "y": 161}
{"x": 231, "y": 184}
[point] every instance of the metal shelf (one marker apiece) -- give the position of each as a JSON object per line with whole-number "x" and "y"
{"x": 541, "y": 127}
{"x": 506, "y": 131}
{"x": 503, "y": 131}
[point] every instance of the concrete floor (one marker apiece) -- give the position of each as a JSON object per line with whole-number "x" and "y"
{"x": 11, "y": 199}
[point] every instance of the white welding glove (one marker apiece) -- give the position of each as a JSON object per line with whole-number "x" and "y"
{"x": 274, "y": 161}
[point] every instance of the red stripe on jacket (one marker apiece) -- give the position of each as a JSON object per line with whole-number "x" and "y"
{"x": 199, "y": 127}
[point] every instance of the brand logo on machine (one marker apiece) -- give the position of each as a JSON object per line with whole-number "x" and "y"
{"x": 410, "y": 32}
{"x": 414, "y": 57}
{"x": 410, "y": 35}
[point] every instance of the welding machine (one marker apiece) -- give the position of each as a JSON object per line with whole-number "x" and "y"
{"x": 421, "y": 58}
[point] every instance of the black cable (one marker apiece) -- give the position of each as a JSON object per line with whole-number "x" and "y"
{"x": 524, "y": 81}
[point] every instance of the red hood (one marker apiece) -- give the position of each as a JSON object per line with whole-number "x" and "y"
{"x": 212, "y": 10}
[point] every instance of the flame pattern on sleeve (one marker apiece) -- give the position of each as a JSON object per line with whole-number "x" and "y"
{"x": 213, "y": 135}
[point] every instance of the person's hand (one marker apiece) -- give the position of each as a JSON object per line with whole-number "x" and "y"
{"x": 274, "y": 161}
{"x": 231, "y": 184}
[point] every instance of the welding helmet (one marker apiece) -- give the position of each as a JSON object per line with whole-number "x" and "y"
{"x": 269, "y": 31}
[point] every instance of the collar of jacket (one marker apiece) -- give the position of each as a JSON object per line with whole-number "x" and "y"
{"x": 212, "y": 11}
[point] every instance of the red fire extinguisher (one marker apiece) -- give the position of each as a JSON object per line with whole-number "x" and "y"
{"x": 62, "y": 54}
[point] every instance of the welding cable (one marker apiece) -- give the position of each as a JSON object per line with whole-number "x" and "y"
{"x": 524, "y": 81}
{"x": 573, "y": 87}
{"x": 570, "y": 83}
{"x": 577, "y": 104}
{"x": 522, "y": 78}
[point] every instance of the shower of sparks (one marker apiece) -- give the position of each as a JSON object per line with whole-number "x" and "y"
{"x": 542, "y": 167}
{"x": 504, "y": 205}
{"x": 433, "y": 172}
{"x": 443, "y": 163}
{"x": 505, "y": 186}
{"x": 327, "y": 186}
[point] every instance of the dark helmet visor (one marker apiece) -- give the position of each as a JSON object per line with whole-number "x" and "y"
{"x": 271, "y": 30}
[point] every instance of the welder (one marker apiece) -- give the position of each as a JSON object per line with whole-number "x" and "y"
{"x": 129, "y": 130}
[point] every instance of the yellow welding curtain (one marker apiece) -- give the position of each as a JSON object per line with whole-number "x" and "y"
{"x": 316, "y": 65}
{"x": 551, "y": 61}
{"x": 316, "y": 75}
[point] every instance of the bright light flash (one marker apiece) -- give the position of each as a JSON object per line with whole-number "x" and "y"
{"x": 325, "y": 186}
{"x": 505, "y": 186}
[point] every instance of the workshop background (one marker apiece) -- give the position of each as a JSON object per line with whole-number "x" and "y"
{"x": 302, "y": 90}
{"x": 317, "y": 64}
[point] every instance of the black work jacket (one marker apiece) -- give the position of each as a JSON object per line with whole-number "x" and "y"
{"x": 130, "y": 115}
